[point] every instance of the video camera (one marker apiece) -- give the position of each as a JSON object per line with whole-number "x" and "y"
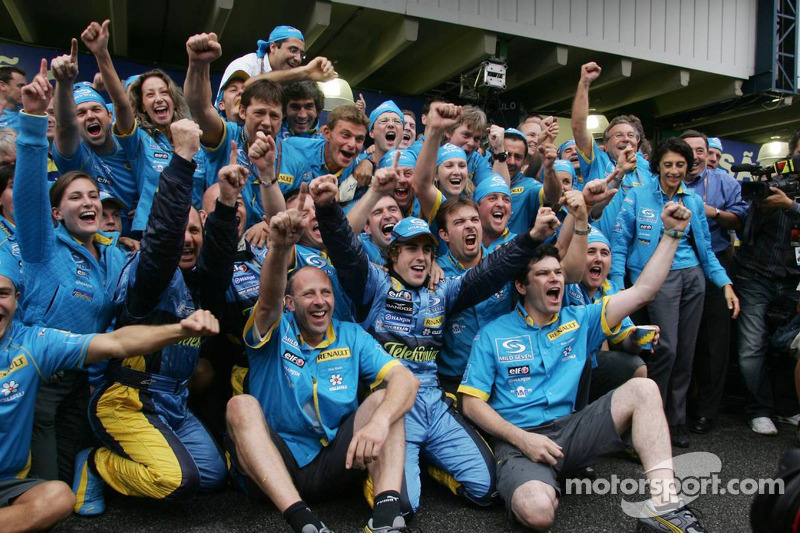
{"x": 783, "y": 175}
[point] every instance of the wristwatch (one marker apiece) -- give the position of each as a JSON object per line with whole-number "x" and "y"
{"x": 500, "y": 156}
{"x": 716, "y": 212}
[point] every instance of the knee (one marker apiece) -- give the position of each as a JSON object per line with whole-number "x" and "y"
{"x": 54, "y": 500}
{"x": 641, "y": 372}
{"x": 241, "y": 410}
{"x": 534, "y": 506}
{"x": 645, "y": 390}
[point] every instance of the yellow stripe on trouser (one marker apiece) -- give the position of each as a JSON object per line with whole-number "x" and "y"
{"x": 238, "y": 374}
{"x": 153, "y": 470}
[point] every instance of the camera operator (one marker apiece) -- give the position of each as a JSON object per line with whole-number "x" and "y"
{"x": 767, "y": 272}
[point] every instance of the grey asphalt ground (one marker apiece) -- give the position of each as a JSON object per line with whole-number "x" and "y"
{"x": 743, "y": 454}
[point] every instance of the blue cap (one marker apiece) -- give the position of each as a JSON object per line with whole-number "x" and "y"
{"x": 131, "y": 79}
{"x": 564, "y": 166}
{"x": 597, "y": 236}
{"x": 407, "y": 159}
{"x": 387, "y": 107}
{"x": 450, "y": 151}
{"x": 106, "y": 196}
{"x": 410, "y": 228}
{"x": 492, "y": 184}
{"x": 514, "y": 132}
{"x": 714, "y": 142}
{"x": 83, "y": 93}
{"x": 564, "y": 146}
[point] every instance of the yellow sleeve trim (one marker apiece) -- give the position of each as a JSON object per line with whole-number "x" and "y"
{"x": 382, "y": 373}
{"x": 472, "y": 391}
{"x": 436, "y": 205}
{"x": 541, "y": 197}
{"x": 588, "y": 158}
{"x": 121, "y": 135}
{"x": 609, "y": 331}
{"x": 251, "y": 324}
{"x": 222, "y": 139}
{"x": 623, "y": 334}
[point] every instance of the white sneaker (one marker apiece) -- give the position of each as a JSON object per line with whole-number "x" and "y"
{"x": 793, "y": 420}
{"x": 763, "y": 425}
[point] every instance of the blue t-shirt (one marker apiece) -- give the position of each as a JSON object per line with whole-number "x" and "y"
{"x": 529, "y": 374}
{"x": 28, "y": 357}
{"x": 148, "y": 156}
{"x": 10, "y": 119}
{"x": 289, "y": 163}
{"x": 306, "y": 393}
{"x": 527, "y": 196}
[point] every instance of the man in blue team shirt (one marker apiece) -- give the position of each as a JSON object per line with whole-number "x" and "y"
{"x": 467, "y": 133}
{"x": 28, "y": 357}
{"x": 621, "y": 139}
{"x": 301, "y": 435}
{"x": 83, "y": 139}
{"x": 261, "y": 109}
{"x": 12, "y": 80}
{"x": 527, "y": 194}
{"x": 725, "y": 210}
{"x": 521, "y": 382}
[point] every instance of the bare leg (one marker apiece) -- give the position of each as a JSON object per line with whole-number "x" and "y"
{"x": 387, "y": 471}
{"x": 256, "y": 453}
{"x": 39, "y": 509}
{"x": 641, "y": 372}
{"x": 534, "y": 505}
{"x": 636, "y": 405}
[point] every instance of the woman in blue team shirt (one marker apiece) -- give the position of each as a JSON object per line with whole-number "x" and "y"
{"x": 142, "y": 122}
{"x": 678, "y": 306}
{"x": 69, "y": 275}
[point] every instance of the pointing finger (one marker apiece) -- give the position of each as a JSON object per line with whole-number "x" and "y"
{"x": 234, "y": 158}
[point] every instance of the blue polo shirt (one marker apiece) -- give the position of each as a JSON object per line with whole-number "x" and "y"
{"x": 29, "y": 356}
{"x": 527, "y": 196}
{"x": 307, "y": 393}
{"x": 529, "y": 374}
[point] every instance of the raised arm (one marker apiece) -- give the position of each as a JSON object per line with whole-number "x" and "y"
{"x": 342, "y": 244}
{"x": 550, "y": 183}
{"x": 35, "y": 232}
{"x": 220, "y": 237}
{"x": 262, "y": 155}
{"x": 440, "y": 117}
{"x": 675, "y": 219}
{"x": 573, "y": 261}
{"x": 164, "y": 235}
{"x": 318, "y": 69}
{"x": 285, "y": 230}
{"x": 95, "y": 37}
{"x": 580, "y": 107}
{"x": 496, "y": 136}
{"x": 202, "y": 49}
{"x": 497, "y": 268}
{"x": 65, "y": 71}
{"x": 136, "y": 340}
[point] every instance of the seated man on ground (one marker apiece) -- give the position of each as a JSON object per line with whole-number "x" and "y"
{"x": 299, "y": 438}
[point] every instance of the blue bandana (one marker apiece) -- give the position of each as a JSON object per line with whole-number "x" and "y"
{"x": 84, "y": 93}
{"x": 450, "y": 151}
{"x": 387, "y": 107}
{"x": 597, "y": 236}
{"x": 714, "y": 142}
{"x": 564, "y": 146}
{"x": 279, "y": 33}
{"x": 493, "y": 184}
{"x": 407, "y": 159}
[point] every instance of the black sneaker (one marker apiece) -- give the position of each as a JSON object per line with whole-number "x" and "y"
{"x": 679, "y": 435}
{"x": 680, "y": 519}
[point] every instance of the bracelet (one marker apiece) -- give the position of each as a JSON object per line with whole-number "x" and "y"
{"x": 674, "y": 233}
{"x": 577, "y": 231}
{"x": 266, "y": 184}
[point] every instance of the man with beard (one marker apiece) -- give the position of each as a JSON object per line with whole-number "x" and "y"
{"x": 83, "y": 139}
{"x": 302, "y": 104}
